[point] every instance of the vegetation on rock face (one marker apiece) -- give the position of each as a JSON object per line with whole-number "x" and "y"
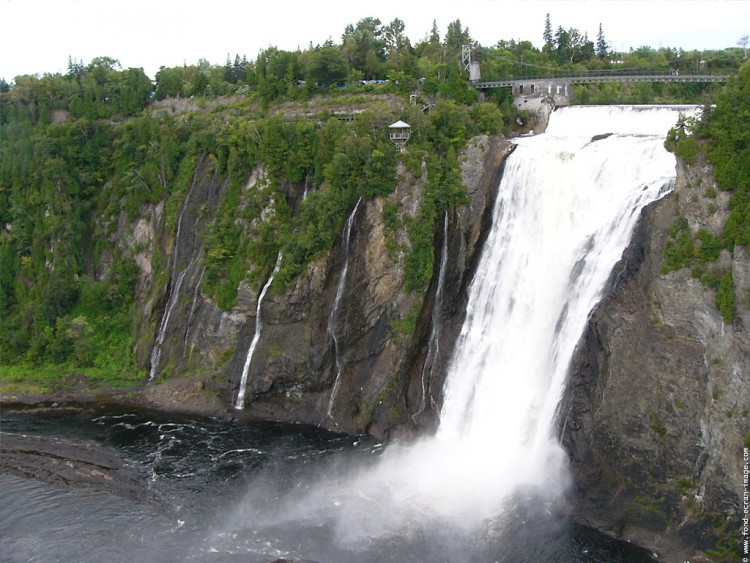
{"x": 723, "y": 136}
{"x": 85, "y": 155}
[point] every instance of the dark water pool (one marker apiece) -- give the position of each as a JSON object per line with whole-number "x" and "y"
{"x": 217, "y": 491}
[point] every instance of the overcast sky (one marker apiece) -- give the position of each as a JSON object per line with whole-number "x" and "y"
{"x": 38, "y": 36}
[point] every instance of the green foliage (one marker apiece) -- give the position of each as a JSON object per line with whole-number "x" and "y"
{"x": 725, "y": 296}
{"x": 726, "y": 143}
{"x": 658, "y": 429}
{"x": 684, "y": 486}
{"x": 405, "y": 327}
{"x": 488, "y": 118}
{"x": 391, "y": 223}
{"x": 681, "y": 140}
{"x": 679, "y": 249}
{"x": 722, "y": 134}
{"x": 420, "y": 260}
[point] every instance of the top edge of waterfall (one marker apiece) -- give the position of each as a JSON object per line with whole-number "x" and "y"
{"x": 651, "y": 119}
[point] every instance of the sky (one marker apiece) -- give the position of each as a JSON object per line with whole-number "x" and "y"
{"x": 38, "y": 36}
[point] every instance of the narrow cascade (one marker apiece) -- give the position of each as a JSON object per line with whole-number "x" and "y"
{"x": 240, "y": 403}
{"x": 333, "y": 318}
{"x": 174, "y": 288}
{"x": 193, "y": 306}
{"x": 307, "y": 187}
{"x": 433, "y": 347}
{"x": 565, "y": 211}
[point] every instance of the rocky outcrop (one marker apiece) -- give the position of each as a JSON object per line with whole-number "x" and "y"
{"x": 68, "y": 462}
{"x": 656, "y": 411}
{"x": 372, "y": 380}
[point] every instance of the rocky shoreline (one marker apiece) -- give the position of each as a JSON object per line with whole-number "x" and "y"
{"x": 187, "y": 395}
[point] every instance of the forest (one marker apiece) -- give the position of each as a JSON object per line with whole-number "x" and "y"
{"x": 85, "y": 151}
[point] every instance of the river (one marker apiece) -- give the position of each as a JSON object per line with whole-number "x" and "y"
{"x": 220, "y": 491}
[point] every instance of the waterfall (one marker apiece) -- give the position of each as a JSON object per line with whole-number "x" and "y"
{"x": 193, "y": 306}
{"x": 307, "y": 187}
{"x": 566, "y": 208}
{"x": 174, "y": 288}
{"x": 333, "y": 318}
{"x": 240, "y": 403}
{"x": 433, "y": 347}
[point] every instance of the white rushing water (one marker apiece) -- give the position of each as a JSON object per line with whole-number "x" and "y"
{"x": 333, "y": 318}
{"x": 240, "y": 403}
{"x": 175, "y": 286}
{"x": 565, "y": 211}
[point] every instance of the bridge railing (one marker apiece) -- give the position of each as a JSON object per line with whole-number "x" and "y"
{"x": 590, "y": 77}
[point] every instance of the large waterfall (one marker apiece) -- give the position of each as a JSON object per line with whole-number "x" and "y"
{"x": 565, "y": 211}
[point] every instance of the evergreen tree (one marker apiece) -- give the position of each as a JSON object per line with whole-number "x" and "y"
{"x": 434, "y": 34}
{"x": 229, "y": 74}
{"x": 456, "y": 36}
{"x": 602, "y": 48}
{"x": 549, "y": 44}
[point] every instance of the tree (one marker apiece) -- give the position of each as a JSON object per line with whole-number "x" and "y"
{"x": 456, "y": 36}
{"x": 572, "y": 47}
{"x": 396, "y": 43}
{"x": 562, "y": 44}
{"x": 742, "y": 42}
{"x": 549, "y": 44}
{"x": 135, "y": 91}
{"x": 364, "y": 48}
{"x": 169, "y": 82}
{"x": 229, "y": 74}
{"x": 76, "y": 69}
{"x": 434, "y": 34}
{"x": 602, "y": 48}
{"x": 326, "y": 65}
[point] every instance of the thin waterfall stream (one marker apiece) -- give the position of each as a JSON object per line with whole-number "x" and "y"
{"x": 193, "y": 307}
{"x": 174, "y": 288}
{"x": 334, "y": 316}
{"x": 433, "y": 347}
{"x": 240, "y": 403}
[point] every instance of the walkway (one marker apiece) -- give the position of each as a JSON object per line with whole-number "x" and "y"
{"x": 598, "y": 77}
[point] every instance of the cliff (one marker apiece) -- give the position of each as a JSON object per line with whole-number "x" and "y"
{"x": 347, "y": 355}
{"x": 657, "y": 404}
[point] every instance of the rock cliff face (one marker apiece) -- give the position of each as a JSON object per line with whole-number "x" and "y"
{"x": 354, "y": 364}
{"x": 657, "y": 405}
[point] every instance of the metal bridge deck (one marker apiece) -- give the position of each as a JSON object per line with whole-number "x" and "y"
{"x": 592, "y": 78}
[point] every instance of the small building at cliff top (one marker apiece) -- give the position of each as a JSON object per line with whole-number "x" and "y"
{"x": 400, "y": 133}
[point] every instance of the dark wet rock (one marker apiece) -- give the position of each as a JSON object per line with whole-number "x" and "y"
{"x": 653, "y": 416}
{"x": 67, "y": 462}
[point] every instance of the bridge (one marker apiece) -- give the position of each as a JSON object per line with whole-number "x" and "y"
{"x": 531, "y": 84}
